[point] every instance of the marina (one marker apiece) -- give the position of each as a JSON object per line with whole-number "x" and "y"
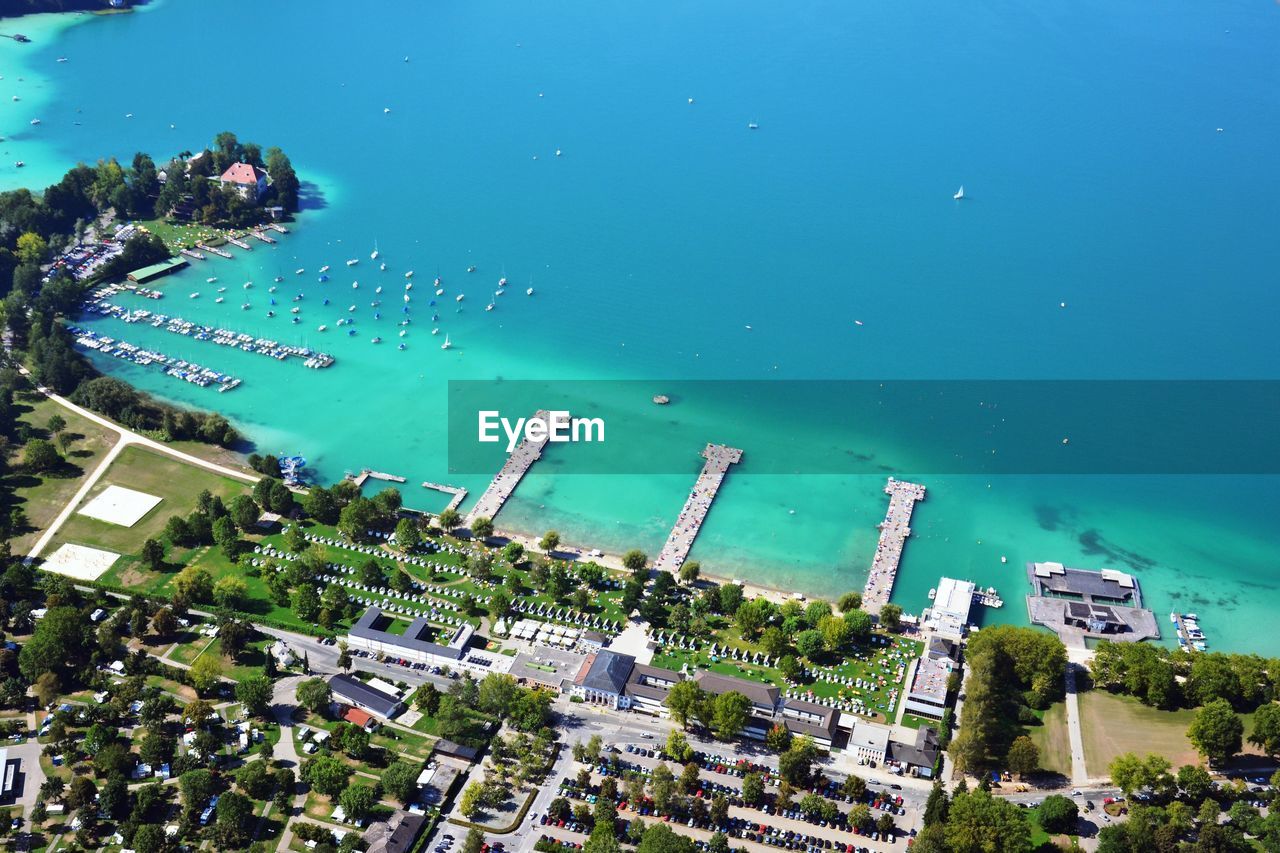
{"x": 1187, "y": 628}
{"x": 509, "y": 475}
{"x": 676, "y": 549}
{"x": 894, "y": 531}
{"x": 177, "y": 368}
{"x": 214, "y": 250}
{"x": 236, "y": 241}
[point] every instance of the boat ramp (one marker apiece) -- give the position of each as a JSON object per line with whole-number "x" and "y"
{"x": 894, "y": 531}
{"x": 512, "y": 471}
{"x": 676, "y": 549}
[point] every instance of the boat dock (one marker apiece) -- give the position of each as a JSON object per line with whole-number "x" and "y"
{"x": 367, "y": 474}
{"x": 988, "y": 597}
{"x": 193, "y": 254}
{"x": 236, "y": 241}
{"x": 894, "y": 531}
{"x": 676, "y": 549}
{"x": 188, "y": 371}
{"x": 509, "y": 475}
{"x": 279, "y": 229}
{"x": 459, "y": 494}
{"x": 1187, "y": 627}
{"x": 214, "y": 250}
{"x": 258, "y": 235}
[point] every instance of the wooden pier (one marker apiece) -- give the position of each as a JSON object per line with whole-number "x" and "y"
{"x": 894, "y": 531}
{"x": 509, "y": 475}
{"x": 214, "y": 250}
{"x": 367, "y": 474}
{"x": 193, "y": 254}
{"x": 459, "y": 494}
{"x": 236, "y": 241}
{"x": 258, "y": 235}
{"x": 676, "y": 549}
{"x": 280, "y": 229}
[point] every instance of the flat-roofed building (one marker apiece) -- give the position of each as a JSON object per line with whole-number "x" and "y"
{"x": 809, "y": 718}
{"x": 949, "y": 614}
{"x": 352, "y": 691}
{"x": 869, "y": 742}
{"x": 370, "y": 633}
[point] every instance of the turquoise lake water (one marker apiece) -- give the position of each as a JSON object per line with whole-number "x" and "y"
{"x": 1086, "y": 136}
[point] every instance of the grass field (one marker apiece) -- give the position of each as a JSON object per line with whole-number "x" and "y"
{"x": 176, "y": 483}
{"x": 42, "y": 498}
{"x": 1112, "y": 725}
{"x": 1052, "y": 739}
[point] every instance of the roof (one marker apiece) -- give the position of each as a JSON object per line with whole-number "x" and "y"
{"x": 365, "y": 630}
{"x": 1106, "y": 583}
{"x": 357, "y": 692}
{"x": 605, "y": 671}
{"x": 923, "y": 753}
{"x": 156, "y": 270}
{"x": 639, "y": 684}
{"x": 954, "y": 597}
{"x": 941, "y": 648}
{"x": 827, "y": 715}
{"x": 759, "y": 694}
{"x": 358, "y": 717}
{"x": 401, "y": 836}
{"x": 448, "y": 747}
{"x": 243, "y": 173}
{"x": 869, "y": 736}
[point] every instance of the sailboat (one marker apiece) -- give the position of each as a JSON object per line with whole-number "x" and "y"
{"x": 959, "y": 193}
{"x": 373, "y": 256}
{"x": 446, "y": 344}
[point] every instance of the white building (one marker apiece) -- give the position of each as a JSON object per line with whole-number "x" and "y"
{"x": 869, "y": 742}
{"x": 949, "y": 614}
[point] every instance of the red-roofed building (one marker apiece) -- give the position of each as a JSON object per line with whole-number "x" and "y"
{"x": 363, "y": 719}
{"x": 249, "y": 181}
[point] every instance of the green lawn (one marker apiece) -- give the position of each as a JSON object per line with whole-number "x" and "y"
{"x": 1052, "y": 739}
{"x": 43, "y": 497}
{"x": 1112, "y": 725}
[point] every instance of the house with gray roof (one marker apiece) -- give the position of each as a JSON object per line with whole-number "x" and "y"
{"x": 349, "y": 690}
{"x": 603, "y": 679}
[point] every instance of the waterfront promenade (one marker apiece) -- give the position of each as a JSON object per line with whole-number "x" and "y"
{"x": 894, "y": 531}
{"x": 676, "y": 549}
{"x": 509, "y": 475}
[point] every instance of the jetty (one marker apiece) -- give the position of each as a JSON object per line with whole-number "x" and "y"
{"x": 263, "y": 237}
{"x": 236, "y": 241}
{"x": 1187, "y": 627}
{"x": 367, "y": 474}
{"x": 193, "y": 254}
{"x": 214, "y": 250}
{"x": 894, "y": 531}
{"x": 676, "y": 549}
{"x": 279, "y": 229}
{"x": 458, "y": 493}
{"x": 187, "y": 371}
{"x": 512, "y": 471}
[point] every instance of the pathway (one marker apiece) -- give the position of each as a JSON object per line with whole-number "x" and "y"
{"x": 1076, "y": 658}
{"x": 719, "y": 457}
{"x": 284, "y": 701}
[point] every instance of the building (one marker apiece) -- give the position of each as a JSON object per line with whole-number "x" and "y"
{"x": 948, "y": 616}
{"x": 360, "y": 718}
{"x": 603, "y": 679}
{"x": 808, "y": 718}
{"x": 8, "y": 776}
{"x": 397, "y": 835}
{"x": 352, "y": 691}
{"x": 927, "y": 695}
{"x": 456, "y": 750}
{"x": 869, "y": 742}
{"x": 370, "y": 633}
{"x": 648, "y": 686}
{"x": 763, "y": 698}
{"x": 163, "y": 268}
{"x": 919, "y": 756}
{"x": 1077, "y": 603}
{"x": 249, "y": 181}
{"x": 1093, "y": 618}
{"x": 282, "y": 653}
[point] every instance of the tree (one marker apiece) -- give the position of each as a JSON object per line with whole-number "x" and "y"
{"x": 1024, "y": 756}
{"x": 497, "y": 692}
{"x": 854, "y": 787}
{"x": 255, "y": 694}
{"x": 753, "y": 615}
{"x": 482, "y": 527}
{"x": 635, "y": 560}
{"x": 937, "y": 806}
{"x": 1059, "y": 814}
{"x": 244, "y": 512}
{"x": 1216, "y": 732}
{"x": 408, "y": 537}
{"x": 1195, "y": 782}
{"x": 682, "y": 699}
{"x": 810, "y": 643}
{"x": 314, "y": 695}
{"x": 473, "y": 842}
{"x": 789, "y": 667}
{"x": 153, "y": 554}
{"x": 230, "y": 592}
{"x": 835, "y": 631}
{"x": 193, "y": 584}
{"x": 205, "y": 673}
{"x": 58, "y": 644}
{"x": 980, "y": 823}
{"x": 859, "y": 622}
{"x": 689, "y": 571}
{"x": 1266, "y": 729}
{"x": 662, "y": 788}
{"x": 197, "y": 787}
{"x": 1131, "y": 773}
{"x": 401, "y": 781}
{"x": 796, "y": 764}
{"x": 752, "y": 789}
{"x": 327, "y": 775}
{"x": 448, "y": 519}
{"x": 41, "y": 457}
{"x": 729, "y": 715}
{"x": 778, "y": 738}
{"x": 891, "y": 617}
{"x": 234, "y": 820}
{"x": 660, "y": 838}
{"x": 358, "y": 800}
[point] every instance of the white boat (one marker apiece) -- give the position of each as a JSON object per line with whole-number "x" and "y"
{"x": 959, "y": 193}
{"x": 383, "y": 266}
{"x": 447, "y": 344}
{"x": 272, "y": 289}
{"x": 351, "y": 308}
{"x": 299, "y": 271}
{"x": 502, "y": 282}
{"x": 440, "y": 291}
{"x": 751, "y": 125}
{"x": 933, "y": 594}
{"x": 407, "y": 297}
{"x": 193, "y": 295}
{"x": 376, "y": 340}
{"x": 529, "y": 292}
{"x": 459, "y": 297}
{"x": 489, "y": 307}
{"x": 222, "y": 290}
{"x": 355, "y": 285}
{"x": 378, "y": 289}
{"x": 409, "y": 274}
{"x": 211, "y": 279}
{"x": 324, "y": 268}
{"x": 62, "y": 59}
{"x": 220, "y": 300}
{"x": 409, "y": 286}
{"x": 321, "y": 327}
{"x": 352, "y": 262}
{"x": 386, "y": 110}
{"x": 245, "y": 306}
{"x": 35, "y": 121}
{"x": 404, "y": 332}
{"x": 435, "y": 331}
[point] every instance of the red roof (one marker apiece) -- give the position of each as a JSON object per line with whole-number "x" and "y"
{"x": 242, "y": 173}
{"x": 357, "y": 717}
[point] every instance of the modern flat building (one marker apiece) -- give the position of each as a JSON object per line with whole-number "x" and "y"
{"x": 948, "y": 616}
{"x": 927, "y": 694}
{"x": 349, "y": 690}
{"x": 417, "y": 643}
{"x": 869, "y": 742}
{"x": 603, "y": 679}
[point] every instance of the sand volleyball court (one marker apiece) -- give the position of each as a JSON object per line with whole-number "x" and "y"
{"x": 79, "y": 562}
{"x": 118, "y": 505}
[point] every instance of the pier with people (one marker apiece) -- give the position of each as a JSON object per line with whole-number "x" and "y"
{"x": 676, "y": 549}
{"x": 512, "y": 471}
{"x": 894, "y": 531}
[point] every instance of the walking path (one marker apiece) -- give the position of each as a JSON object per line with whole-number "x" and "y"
{"x": 894, "y": 531}
{"x": 127, "y": 437}
{"x": 509, "y": 475}
{"x": 284, "y": 701}
{"x": 1076, "y": 658}
{"x": 676, "y": 549}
